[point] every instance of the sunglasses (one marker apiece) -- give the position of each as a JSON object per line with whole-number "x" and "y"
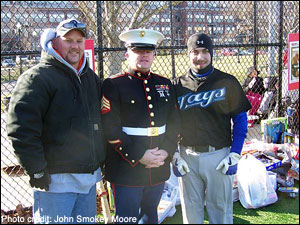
{"x": 73, "y": 24}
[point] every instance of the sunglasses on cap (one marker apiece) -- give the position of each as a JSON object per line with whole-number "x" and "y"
{"x": 73, "y": 24}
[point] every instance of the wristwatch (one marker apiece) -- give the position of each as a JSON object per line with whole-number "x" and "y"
{"x": 38, "y": 175}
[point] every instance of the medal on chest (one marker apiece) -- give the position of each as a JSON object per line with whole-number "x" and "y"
{"x": 163, "y": 90}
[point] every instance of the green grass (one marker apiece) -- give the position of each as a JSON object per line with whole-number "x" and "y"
{"x": 8, "y": 74}
{"x": 284, "y": 211}
{"x": 235, "y": 65}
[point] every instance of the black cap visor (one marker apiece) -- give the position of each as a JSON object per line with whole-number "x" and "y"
{"x": 140, "y": 46}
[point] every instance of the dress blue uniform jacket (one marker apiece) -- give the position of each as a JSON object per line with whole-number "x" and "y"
{"x": 138, "y": 100}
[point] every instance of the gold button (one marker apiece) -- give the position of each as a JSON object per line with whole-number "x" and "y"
{"x": 139, "y": 74}
{"x": 132, "y": 161}
{"x": 145, "y": 81}
{"x": 132, "y": 101}
{"x": 147, "y": 89}
{"x": 152, "y": 123}
{"x": 120, "y": 148}
{"x": 150, "y": 106}
{"x": 149, "y": 98}
{"x": 126, "y": 154}
{"x": 166, "y": 99}
{"x": 152, "y": 114}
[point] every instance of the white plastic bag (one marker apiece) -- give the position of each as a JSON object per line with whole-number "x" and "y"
{"x": 172, "y": 182}
{"x": 254, "y": 184}
{"x": 169, "y": 199}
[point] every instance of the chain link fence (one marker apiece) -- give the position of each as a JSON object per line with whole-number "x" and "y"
{"x": 244, "y": 33}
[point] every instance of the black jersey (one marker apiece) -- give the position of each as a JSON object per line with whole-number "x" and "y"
{"x": 206, "y": 108}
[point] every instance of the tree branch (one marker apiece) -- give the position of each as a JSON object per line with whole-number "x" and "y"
{"x": 137, "y": 14}
{"x": 156, "y": 11}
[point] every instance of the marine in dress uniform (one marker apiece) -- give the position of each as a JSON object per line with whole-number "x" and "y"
{"x": 139, "y": 117}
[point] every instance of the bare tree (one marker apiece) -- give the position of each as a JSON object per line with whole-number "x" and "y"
{"x": 118, "y": 16}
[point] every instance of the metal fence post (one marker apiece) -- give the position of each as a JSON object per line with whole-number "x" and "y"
{"x": 280, "y": 58}
{"x": 255, "y": 32}
{"x": 172, "y": 40}
{"x": 9, "y": 74}
{"x": 99, "y": 33}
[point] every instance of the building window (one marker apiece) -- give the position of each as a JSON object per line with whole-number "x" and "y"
{"x": 57, "y": 17}
{"x": 208, "y": 17}
{"x": 155, "y": 18}
{"x": 72, "y": 16}
{"x": 5, "y": 17}
{"x": 202, "y": 18}
{"x": 22, "y": 18}
{"x": 165, "y": 18}
{"x": 5, "y": 3}
{"x": 190, "y": 17}
{"x": 218, "y": 18}
{"x": 219, "y": 30}
{"x": 202, "y": 4}
{"x": 229, "y": 19}
{"x": 40, "y": 17}
{"x": 5, "y": 31}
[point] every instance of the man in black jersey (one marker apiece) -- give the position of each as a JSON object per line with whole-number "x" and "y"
{"x": 209, "y": 100}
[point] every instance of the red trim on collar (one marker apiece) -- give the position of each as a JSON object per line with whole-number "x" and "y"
{"x": 141, "y": 78}
{"x": 133, "y": 72}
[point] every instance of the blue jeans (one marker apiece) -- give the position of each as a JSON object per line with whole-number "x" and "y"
{"x": 64, "y": 208}
{"x": 137, "y": 204}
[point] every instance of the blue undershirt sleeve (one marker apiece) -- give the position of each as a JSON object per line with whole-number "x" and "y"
{"x": 239, "y": 132}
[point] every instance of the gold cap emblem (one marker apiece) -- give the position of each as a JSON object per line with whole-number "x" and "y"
{"x": 142, "y": 33}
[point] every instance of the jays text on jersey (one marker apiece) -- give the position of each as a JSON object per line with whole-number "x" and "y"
{"x": 139, "y": 113}
{"x": 207, "y": 106}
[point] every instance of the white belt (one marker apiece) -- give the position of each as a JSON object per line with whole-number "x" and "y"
{"x": 150, "y": 131}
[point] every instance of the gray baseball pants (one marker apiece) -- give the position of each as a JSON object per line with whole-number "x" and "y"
{"x": 204, "y": 185}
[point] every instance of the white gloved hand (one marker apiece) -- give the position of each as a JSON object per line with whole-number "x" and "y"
{"x": 229, "y": 161}
{"x": 179, "y": 164}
